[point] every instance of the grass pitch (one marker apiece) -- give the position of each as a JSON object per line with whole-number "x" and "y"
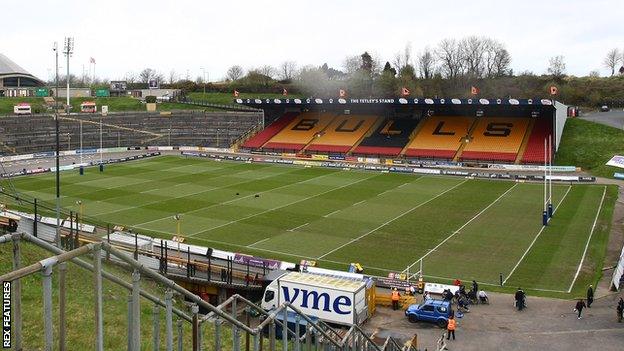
{"x": 459, "y": 228}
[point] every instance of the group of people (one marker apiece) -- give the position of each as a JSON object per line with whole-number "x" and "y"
{"x": 580, "y": 305}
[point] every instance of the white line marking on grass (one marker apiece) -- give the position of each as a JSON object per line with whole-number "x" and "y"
{"x": 331, "y": 213}
{"x": 389, "y": 221}
{"x": 547, "y": 290}
{"x": 536, "y": 237}
{"x": 276, "y": 208}
{"x": 259, "y": 241}
{"x": 239, "y": 198}
{"x": 591, "y": 232}
{"x": 298, "y": 227}
{"x": 77, "y": 196}
{"x": 464, "y": 225}
{"x": 185, "y": 195}
{"x": 357, "y": 203}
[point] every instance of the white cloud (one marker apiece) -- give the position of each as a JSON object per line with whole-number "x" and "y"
{"x": 185, "y": 35}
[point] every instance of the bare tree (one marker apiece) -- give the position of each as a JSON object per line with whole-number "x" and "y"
{"x": 351, "y": 64}
{"x": 267, "y": 70}
{"x": 235, "y": 72}
{"x": 404, "y": 58}
{"x": 473, "y": 49}
{"x": 287, "y": 70}
{"x": 496, "y": 59}
{"x": 130, "y": 77}
{"x": 426, "y": 63}
{"x": 557, "y": 66}
{"x": 612, "y": 60}
{"x": 450, "y": 56}
{"x": 147, "y": 74}
{"x": 173, "y": 77}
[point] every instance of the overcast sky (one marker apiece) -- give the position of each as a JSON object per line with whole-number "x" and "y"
{"x": 183, "y": 35}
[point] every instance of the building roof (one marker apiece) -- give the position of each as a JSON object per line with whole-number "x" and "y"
{"x": 9, "y": 67}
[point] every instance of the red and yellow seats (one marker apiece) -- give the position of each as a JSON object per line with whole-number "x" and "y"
{"x": 496, "y": 139}
{"x": 267, "y": 133}
{"x": 440, "y": 137}
{"x": 300, "y": 131}
{"x": 534, "y": 152}
{"x": 343, "y": 133}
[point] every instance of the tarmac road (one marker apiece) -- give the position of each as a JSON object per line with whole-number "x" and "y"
{"x": 547, "y": 324}
{"x": 613, "y": 118}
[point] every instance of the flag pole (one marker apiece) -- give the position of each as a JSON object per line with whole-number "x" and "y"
{"x": 550, "y": 201}
{"x": 544, "y": 212}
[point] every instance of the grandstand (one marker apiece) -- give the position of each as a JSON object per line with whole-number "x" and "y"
{"x": 388, "y": 139}
{"x": 496, "y": 139}
{"x": 30, "y": 134}
{"x": 342, "y": 134}
{"x": 440, "y": 137}
{"x": 487, "y": 131}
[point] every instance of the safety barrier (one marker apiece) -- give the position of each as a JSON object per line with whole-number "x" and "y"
{"x": 316, "y": 334}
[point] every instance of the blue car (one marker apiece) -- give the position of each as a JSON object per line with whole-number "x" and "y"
{"x": 432, "y": 311}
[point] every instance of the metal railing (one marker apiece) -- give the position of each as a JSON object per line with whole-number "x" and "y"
{"x": 231, "y": 107}
{"x": 316, "y": 335}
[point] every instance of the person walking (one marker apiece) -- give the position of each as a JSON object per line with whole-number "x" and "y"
{"x": 580, "y": 304}
{"x": 475, "y": 286}
{"x": 520, "y": 299}
{"x": 450, "y": 328}
{"x": 620, "y": 310}
{"x": 590, "y": 296}
{"x": 395, "y": 299}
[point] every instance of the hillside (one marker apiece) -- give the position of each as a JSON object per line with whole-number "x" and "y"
{"x": 590, "y": 145}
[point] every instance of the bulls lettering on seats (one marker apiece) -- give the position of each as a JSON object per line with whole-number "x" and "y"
{"x": 342, "y": 134}
{"x": 388, "y": 139}
{"x": 440, "y": 137}
{"x": 261, "y": 138}
{"x": 496, "y": 139}
{"x": 299, "y": 132}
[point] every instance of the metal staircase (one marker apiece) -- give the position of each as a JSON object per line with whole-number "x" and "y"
{"x": 224, "y": 317}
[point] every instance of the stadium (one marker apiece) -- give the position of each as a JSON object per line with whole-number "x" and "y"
{"x": 337, "y": 213}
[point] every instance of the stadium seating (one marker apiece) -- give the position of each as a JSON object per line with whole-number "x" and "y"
{"x": 439, "y": 137}
{"x": 300, "y": 131}
{"x": 496, "y": 139}
{"x": 30, "y": 134}
{"x": 342, "y": 134}
{"x": 534, "y": 152}
{"x": 388, "y": 139}
{"x": 263, "y": 136}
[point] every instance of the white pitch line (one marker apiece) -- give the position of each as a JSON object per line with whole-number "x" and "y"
{"x": 298, "y": 227}
{"x": 276, "y": 208}
{"x": 359, "y": 202}
{"x": 465, "y": 224}
{"x": 259, "y": 241}
{"x": 535, "y": 239}
{"x": 389, "y": 221}
{"x": 238, "y": 198}
{"x": 185, "y": 195}
{"x": 77, "y": 196}
{"x": 331, "y": 213}
{"x": 591, "y": 232}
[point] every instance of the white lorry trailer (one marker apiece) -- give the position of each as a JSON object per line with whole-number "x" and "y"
{"x": 338, "y": 300}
